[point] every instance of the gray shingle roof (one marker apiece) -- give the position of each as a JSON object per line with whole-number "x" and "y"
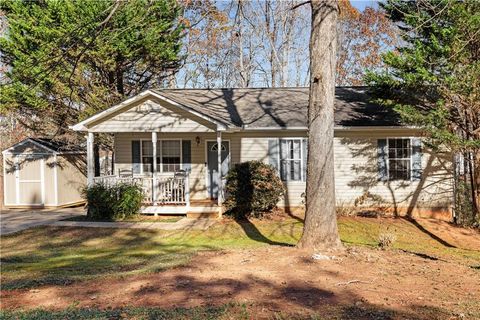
{"x": 58, "y": 146}
{"x": 280, "y": 107}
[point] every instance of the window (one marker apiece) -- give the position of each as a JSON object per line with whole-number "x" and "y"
{"x": 147, "y": 156}
{"x": 291, "y": 156}
{"x": 399, "y": 159}
{"x": 170, "y": 155}
{"x": 215, "y": 147}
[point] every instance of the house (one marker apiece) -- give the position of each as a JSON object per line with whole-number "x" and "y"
{"x": 43, "y": 173}
{"x": 175, "y": 142}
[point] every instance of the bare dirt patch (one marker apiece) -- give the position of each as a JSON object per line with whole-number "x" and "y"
{"x": 283, "y": 279}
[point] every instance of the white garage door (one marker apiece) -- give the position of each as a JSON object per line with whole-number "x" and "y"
{"x": 30, "y": 177}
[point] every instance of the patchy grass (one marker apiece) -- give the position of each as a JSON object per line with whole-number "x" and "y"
{"x": 430, "y": 238}
{"x": 62, "y": 255}
{"x": 136, "y": 218}
{"x": 200, "y": 313}
{"x": 230, "y": 311}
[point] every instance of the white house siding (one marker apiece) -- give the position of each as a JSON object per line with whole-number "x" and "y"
{"x": 254, "y": 146}
{"x": 71, "y": 178}
{"x": 60, "y": 181}
{"x": 9, "y": 180}
{"x": 356, "y": 172}
{"x": 49, "y": 176}
{"x": 150, "y": 114}
{"x": 356, "y": 168}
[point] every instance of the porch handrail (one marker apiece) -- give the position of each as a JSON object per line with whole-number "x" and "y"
{"x": 173, "y": 189}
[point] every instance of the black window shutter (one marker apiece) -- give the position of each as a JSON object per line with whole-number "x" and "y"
{"x": 187, "y": 155}
{"x": 304, "y": 160}
{"x": 382, "y": 150}
{"x": 273, "y": 153}
{"x": 136, "y": 161}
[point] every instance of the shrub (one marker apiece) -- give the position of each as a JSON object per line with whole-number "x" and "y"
{"x": 253, "y": 188}
{"x": 386, "y": 240}
{"x": 113, "y": 202}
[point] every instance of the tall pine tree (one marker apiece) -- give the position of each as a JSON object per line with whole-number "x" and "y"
{"x": 433, "y": 80}
{"x": 68, "y": 59}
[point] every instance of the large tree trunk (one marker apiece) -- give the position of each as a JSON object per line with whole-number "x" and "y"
{"x": 320, "y": 230}
{"x": 476, "y": 185}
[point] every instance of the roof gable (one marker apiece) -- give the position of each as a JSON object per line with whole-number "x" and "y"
{"x": 150, "y": 114}
{"x": 129, "y": 103}
{"x": 42, "y": 146}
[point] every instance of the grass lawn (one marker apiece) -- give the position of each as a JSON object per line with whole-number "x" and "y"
{"x": 200, "y": 313}
{"x": 230, "y": 311}
{"x": 137, "y": 218}
{"x": 60, "y": 255}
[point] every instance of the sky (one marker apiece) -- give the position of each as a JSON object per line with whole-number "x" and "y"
{"x": 362, "y": 4}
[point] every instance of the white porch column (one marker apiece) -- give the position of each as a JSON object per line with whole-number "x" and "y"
{"x": 154, "y": 169}
{"x": 90, "y": 159}
{"x": 219, "y": 168}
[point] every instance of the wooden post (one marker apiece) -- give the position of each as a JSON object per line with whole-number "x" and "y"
{"x": 154, "y": 169}
{"x": 187, "y": 188}
{"x": 90, "y": 159}
{"x": 219, "y": 168}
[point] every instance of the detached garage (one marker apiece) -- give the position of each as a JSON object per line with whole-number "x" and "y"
{"x": 43, "y": 173}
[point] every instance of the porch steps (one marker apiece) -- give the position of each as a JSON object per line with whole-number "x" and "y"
{"x": 200, "y": 209}
{"x": 167, "y": 209}
{"x": 211, "y": 214}
{"x": 196, "y": 210}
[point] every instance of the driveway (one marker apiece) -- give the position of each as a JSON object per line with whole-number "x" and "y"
{"x": 17, "y": 220}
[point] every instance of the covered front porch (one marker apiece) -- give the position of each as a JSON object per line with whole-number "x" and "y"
{"x": 169, "y": 150}
{"x": 162, "y": 165}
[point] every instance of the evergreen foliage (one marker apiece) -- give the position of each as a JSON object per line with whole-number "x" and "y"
{"x": 67, "y": 60}
{"x": 433, "y": 78}
{"x": 253, "y": 188}
{"x": 113, "y": 202}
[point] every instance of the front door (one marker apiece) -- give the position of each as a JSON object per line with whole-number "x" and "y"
{"x": 212, "y": 167}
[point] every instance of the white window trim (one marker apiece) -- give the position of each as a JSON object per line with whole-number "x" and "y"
{"x": 410, "y": 158}
{"x": 159, "y": 154}
{"x": 303, "y": 177}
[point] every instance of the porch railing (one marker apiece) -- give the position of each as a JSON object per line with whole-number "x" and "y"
{"x": 162, "y": 190}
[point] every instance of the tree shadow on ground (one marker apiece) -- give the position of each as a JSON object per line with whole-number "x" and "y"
{"x": 427, "y": 232}
{"x": 64, "y": 255}
{"x": 253, "y": 233}
{"x": 263, "y": 298}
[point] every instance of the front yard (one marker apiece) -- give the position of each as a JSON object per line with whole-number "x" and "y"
{"x": 242, "y": 269}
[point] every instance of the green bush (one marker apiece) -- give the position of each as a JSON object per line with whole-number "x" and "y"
{"x": 253, "y": 188}
{"x": 113, "y": 202}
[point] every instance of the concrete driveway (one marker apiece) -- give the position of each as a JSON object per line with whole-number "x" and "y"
{"x": 17, "y": 220}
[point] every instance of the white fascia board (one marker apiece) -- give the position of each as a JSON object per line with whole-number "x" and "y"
{"x": 72, "y": 152}
{"x": 8, "y": 151}
{"x": 375, "y": 128}
{"x": 246, "y": 128}
{"x": 336, "y": 128}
